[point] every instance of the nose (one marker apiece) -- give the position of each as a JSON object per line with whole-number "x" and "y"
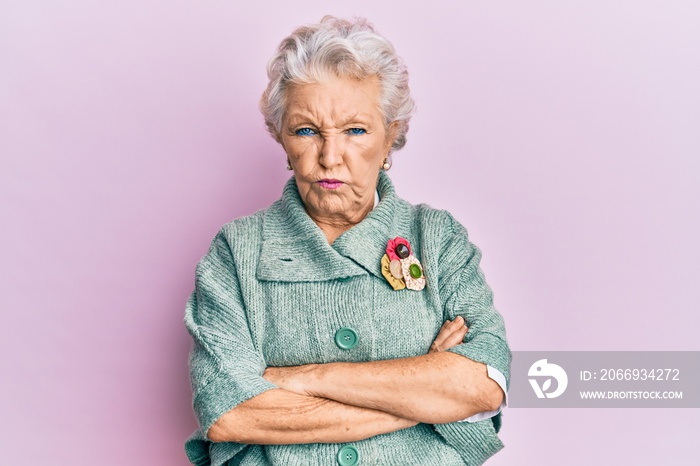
{"x": 332, "y": 151}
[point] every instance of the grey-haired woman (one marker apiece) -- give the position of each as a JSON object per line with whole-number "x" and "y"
{"x": 343, "y": 325}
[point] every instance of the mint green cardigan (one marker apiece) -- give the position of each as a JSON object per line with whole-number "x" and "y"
{"x": 271, "y": 291}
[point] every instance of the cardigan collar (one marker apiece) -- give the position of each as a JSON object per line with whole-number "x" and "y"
{"x": 294, "y": 248}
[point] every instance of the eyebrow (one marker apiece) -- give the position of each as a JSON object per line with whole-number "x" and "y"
{"x": 356, "y": 118}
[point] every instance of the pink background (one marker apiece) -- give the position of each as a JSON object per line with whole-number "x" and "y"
{"x": 564, "y": 135}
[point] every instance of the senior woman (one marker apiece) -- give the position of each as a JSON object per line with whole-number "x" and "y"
{"x": 342, "y": 325}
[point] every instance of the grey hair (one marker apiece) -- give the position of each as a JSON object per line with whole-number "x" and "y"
{"x": 338, "y": 47}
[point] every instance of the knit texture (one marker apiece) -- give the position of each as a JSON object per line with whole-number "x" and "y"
{"x": 271, "y": 291}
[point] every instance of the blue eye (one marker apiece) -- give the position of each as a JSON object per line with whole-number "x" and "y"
{"x": 357, "y": 131}
{"x": 304, "y": 132}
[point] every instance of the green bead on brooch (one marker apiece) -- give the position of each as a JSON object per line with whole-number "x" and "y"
{"x": 415, "y": 271}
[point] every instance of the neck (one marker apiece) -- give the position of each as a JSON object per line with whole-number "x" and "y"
{"x": 333, "y": 226}
{"x": 332, "y": 232}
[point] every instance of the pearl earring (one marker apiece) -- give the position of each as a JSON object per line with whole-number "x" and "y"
{"x": 387, "y": 163}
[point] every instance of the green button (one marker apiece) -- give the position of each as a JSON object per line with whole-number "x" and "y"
{"x": 415, "y": 271}
{"x": 346, "y": 338}
{"x": 348, "y": 456}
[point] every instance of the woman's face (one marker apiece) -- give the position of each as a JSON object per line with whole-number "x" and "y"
{"x": 335, "y": 139}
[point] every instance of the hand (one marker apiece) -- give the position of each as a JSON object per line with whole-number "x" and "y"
{"x": 451, "y": 334}
{"x": 293, "y": 378}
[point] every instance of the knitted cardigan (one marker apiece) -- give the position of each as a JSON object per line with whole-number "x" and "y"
{"x": 271, "y": 291}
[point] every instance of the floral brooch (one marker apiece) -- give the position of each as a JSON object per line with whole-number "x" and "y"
{"x": 401, "y": 268}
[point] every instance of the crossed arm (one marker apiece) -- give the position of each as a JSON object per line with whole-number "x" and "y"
{"x": 343, "y": 402}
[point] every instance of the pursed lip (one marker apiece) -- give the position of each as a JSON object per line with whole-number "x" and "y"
{"x": 330, "y": 183}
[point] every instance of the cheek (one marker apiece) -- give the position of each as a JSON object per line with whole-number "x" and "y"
{"x": 370, "y": 152}
{"x": 367, "y": 147}
{"x": 302, "y": 150}
{"x": 365, "y": 162}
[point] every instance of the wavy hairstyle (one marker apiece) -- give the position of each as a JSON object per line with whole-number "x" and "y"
{"x": 338, "y": 47}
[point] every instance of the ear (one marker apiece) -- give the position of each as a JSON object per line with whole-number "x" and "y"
{"x": 391, "y": 132}
{"x": 279, "y": 139}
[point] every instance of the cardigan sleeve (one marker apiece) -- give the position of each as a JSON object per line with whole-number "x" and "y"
{"x": 463, "y": 291}
{"x": 225, "y": 369}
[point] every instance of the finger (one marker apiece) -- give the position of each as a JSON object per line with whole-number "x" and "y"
{"x": 455, "y": 326}
{"x": 448, "y": 340}
{"x": 445, "y": 331}
{"x": 454, "y": 339}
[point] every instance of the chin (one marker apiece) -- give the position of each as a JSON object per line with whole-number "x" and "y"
{"x": 331, "y": 206}
{"x": 326, "y": 203}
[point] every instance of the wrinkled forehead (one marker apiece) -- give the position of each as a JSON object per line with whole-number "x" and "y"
{"x": 335, "y": 99}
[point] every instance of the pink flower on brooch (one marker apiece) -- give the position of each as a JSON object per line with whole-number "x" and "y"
{"x": 398, "y": 248}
